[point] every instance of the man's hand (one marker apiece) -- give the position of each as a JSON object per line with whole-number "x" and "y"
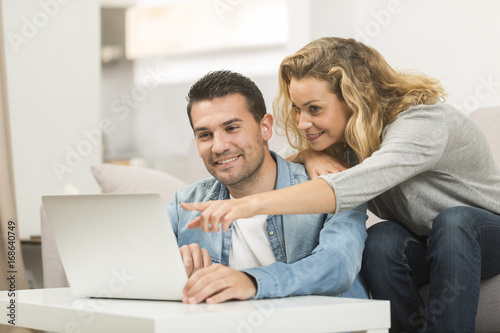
{"x": 216, "y": 284}
{"x": 194, "y": 258}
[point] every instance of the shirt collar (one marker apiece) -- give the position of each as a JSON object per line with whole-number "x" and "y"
{"x": 284, "y": 173}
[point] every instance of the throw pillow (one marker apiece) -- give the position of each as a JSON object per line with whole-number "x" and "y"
{"x": 113, "y": 178}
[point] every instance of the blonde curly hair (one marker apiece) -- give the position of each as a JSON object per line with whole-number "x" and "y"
{"x": 374, "y": 92}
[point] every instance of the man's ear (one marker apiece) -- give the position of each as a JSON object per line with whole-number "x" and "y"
{"x": 266, "y": 126}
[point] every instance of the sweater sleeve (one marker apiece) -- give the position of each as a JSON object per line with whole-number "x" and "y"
{"x": 412, "y": 144}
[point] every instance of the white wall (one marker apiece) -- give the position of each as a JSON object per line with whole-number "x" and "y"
{"x": 53, "y": 78}
{"x": 456, "y": 41}
{"x": 160, "y": 128}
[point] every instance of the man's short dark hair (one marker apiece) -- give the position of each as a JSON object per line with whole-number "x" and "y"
{"x": 223, "y": 83}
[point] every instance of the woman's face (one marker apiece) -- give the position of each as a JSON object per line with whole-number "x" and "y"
{"x": 319, "y": 113}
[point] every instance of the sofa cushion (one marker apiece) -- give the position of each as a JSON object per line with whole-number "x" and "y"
{"x": 487, "y": 319}
{"x": 114, "y": 178}
{"x": 488, "y": 120}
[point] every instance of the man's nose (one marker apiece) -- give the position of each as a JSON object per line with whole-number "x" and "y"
{"x": 220, "y": 144}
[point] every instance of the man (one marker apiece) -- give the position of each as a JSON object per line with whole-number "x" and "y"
{"x": 265, "y": 256}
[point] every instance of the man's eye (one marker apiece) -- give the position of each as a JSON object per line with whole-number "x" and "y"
{"x": 203, "y": 136}
{"x": 232, "y": 128}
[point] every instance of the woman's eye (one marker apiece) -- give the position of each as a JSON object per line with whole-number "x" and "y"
{"x": 315, "y": 109}
{"x": 296, "y": 108}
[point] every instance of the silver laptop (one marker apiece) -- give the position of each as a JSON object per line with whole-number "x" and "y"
{"x": 117, "y": 245}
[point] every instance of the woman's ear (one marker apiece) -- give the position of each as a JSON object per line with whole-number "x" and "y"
{"x": 266, "y": 126}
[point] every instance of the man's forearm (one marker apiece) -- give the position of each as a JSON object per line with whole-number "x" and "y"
{"x": 331, "y": 268}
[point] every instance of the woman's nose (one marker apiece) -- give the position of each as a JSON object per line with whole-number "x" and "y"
{"x": 303, "y": 122}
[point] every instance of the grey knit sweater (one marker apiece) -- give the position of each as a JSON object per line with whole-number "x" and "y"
{"x": 432, "y": 157}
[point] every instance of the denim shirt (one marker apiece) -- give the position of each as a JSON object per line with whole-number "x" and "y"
{"x": 315, "y": 254}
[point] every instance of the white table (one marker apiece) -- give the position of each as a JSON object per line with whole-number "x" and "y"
{"x": 58, "y": 310}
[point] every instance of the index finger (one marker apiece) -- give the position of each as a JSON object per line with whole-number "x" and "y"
{"x": 196, "y": 223}
{"x": 199, "y": 206}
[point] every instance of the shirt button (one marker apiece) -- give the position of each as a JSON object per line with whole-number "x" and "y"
{"x": 271, "y": 233}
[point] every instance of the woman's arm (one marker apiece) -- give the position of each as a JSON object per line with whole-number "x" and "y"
{"x": 312, "y": 197}
{"x": 412, "y": 144}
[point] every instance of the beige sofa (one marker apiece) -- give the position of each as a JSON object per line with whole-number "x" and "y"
{"x": 122, "y": 179}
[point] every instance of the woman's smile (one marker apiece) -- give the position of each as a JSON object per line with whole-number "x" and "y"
{"x": 312, "y": 137}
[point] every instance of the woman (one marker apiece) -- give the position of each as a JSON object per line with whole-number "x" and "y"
{"x": 423, "y": 166}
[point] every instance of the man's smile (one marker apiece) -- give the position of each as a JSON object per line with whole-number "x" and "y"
{"x": 227, "y": 160}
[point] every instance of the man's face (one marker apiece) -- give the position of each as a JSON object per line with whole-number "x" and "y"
{"x": 229, "y": 140}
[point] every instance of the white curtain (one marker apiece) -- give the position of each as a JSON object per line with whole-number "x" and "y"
{"x": 11, "y": 259}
